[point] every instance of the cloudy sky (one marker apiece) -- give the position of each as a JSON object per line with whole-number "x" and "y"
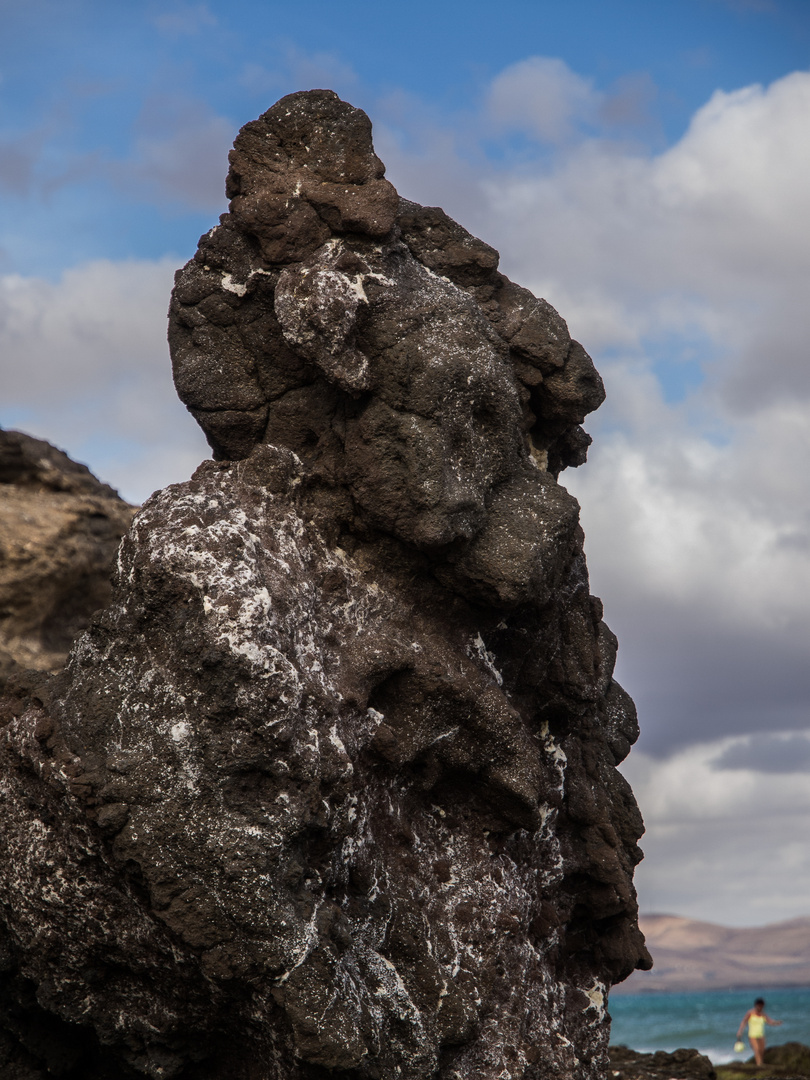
{"x": 644, "y": 166}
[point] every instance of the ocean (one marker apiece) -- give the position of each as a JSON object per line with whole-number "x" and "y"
{"x": 707, "y": 1021}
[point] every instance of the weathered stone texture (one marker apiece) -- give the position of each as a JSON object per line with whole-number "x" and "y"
{"x": 59, "y": 530}
{"x": 336, "y": 768}
{"x": 626, "y": 1064}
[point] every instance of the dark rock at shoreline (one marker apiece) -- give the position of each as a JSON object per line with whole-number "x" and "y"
{"x": 626, "y": 1064}
{"x": 788, "y": 1061}
{"x": 789, "y": 1055}
{"x": 329, "y": 789}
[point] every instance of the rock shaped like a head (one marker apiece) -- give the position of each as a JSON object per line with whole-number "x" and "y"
{"x": 376, "y": 339}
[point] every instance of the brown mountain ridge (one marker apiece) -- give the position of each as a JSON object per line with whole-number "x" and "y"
{"x": 692, "y": 955}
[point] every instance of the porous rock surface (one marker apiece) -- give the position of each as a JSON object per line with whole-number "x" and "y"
{"x": 789, "y": 1056}
{"x": 59, "y": 530}
{"x": 683, "y": 1064}
{"x": 330, "y": 788}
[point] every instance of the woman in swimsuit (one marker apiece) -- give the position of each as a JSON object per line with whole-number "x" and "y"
{"x": 756, "y": 1020}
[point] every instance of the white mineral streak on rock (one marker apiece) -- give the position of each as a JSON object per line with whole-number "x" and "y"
{"x": 552, "y": 748}
{"x": 393, "y": 988}
{"x": 478, "y": 649}
{"x": 232, "y": 286}
{"x": 596, "y": 994}
{"x": 301, "y": 949}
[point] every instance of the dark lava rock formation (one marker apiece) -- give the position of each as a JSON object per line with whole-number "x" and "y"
{"x": 787, "y": 1061}
{"x": 59, "y": 532}
{"x": 789, "y": 1057}
{"x": 329, "y": 789}
{"x": 626, "y": 1064}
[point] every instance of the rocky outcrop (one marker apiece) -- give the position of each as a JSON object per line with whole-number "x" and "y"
{"x": 329, "y": 789}
{"x": 626, "y": 1064}
{"x": 788, "y": 1061}
{"x": 59, "y": 531}
{"x": 793, "y": 1056}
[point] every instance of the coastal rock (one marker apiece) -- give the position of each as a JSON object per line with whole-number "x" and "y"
{"x": 626, "y": 1064}
{"x": 59, "y": 530}
{"x": 789, "y": 1057}
{"x": 330, "y": 787}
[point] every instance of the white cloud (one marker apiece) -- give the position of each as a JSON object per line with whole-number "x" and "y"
{"x": 85, "y": 365}
{"x": 96, "y": 324}
{"x": 179, "y": 155}
{"x": 726, "y": 845}
{"x": 541, "y": 96}
{"x": 542, "y": 99}
{"x": 778, "y": 753}
{"x": 185, "y": 19}
{"x": 292, "y": 70}
{"x": 724, "y": 211}
{"x": 722, "y": 529}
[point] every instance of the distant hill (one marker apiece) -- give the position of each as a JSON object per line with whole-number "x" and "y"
{"x": 692, "y": 955}
{"x": 60, "y": 529}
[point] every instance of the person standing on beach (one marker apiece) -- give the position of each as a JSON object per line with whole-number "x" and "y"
{"x": 756, "y": 1020}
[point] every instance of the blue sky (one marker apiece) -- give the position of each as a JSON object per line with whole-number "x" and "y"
{"x": 644, "y": 165}
{"x": 88, "y": 88}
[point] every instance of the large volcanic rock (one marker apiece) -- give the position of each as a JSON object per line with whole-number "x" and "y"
{"x": 330, "y": 788}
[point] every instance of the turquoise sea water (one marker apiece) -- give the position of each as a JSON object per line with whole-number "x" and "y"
{"x": 706, "y": 1021}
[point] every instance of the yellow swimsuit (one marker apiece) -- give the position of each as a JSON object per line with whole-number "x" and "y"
{"x": 756, "y": 1026}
